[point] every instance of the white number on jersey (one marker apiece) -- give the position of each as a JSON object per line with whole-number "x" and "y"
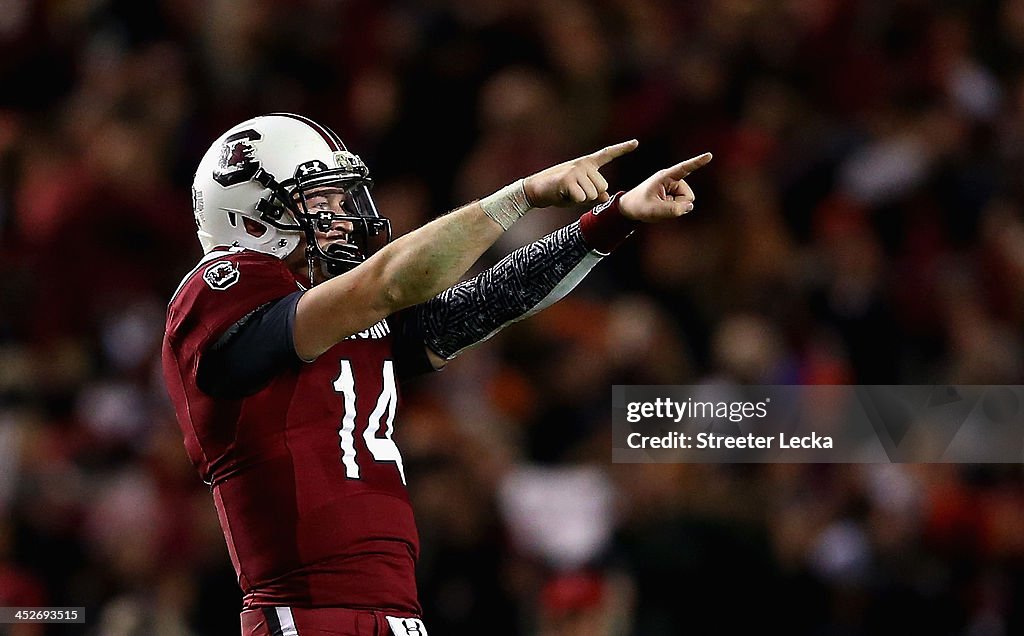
{"x": 383, "y": 449}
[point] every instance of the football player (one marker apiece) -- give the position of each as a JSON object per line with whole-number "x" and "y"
{"x": 285, "y": 348}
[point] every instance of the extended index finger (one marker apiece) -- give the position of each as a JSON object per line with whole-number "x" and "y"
{"x": 684, "y": 168}
{"x": 608, "y": 153}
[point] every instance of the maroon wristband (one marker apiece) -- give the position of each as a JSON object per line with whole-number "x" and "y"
{"x": 604, "y": 227}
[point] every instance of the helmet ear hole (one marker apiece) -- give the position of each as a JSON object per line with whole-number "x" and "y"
{"x": 254, "y": 228}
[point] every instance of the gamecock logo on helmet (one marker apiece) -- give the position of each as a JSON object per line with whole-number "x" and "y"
{"x": 238, "y": 161}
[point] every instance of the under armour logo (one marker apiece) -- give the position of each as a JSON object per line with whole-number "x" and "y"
{"x": 406, "y": 626}
{"x": 310, "y": 167}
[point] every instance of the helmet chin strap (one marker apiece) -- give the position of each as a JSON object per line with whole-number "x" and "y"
{"x": 311, "y": 262}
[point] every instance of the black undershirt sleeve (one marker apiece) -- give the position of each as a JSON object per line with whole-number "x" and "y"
{"x": 408, "y": 348}
{"x": 255, "y": 349}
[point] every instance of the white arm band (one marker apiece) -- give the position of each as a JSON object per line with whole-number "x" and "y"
{"x": 508, "y": 205}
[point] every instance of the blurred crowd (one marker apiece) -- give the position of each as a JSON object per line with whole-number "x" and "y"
{"x": 862, "y": 222}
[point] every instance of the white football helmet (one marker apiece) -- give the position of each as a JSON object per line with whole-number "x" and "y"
{"x": 263, "y": 169}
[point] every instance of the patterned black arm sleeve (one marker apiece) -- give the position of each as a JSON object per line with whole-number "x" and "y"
{"x": 524, "y": 282}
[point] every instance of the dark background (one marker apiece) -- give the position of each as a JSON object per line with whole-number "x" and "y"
{"x": 861, "y": 223}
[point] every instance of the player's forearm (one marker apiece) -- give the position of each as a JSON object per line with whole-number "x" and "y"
{"x": 405, "y": 272}
{"x": 525, "y": 282}
{"x": 425, "y": 262}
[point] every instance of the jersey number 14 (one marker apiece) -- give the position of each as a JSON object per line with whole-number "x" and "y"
{"x": 383, "y": 449}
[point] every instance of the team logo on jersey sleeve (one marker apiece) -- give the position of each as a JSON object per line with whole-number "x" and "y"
{"x": 221, "y": 275}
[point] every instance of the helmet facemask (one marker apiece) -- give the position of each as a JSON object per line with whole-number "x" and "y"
{"x": 369, "y": 232}
{"x": 313, "y": 196}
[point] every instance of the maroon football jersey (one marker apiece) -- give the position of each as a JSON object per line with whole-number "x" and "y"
{"x": 308, "y": 484}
